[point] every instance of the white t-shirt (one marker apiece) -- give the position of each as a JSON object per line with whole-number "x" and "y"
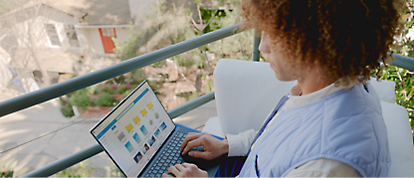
{"x": 240, "y": 144}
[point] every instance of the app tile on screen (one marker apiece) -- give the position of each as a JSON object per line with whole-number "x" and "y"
{"x": 163, "y": 126}
{"x": 136, "y": 120}
{"x": 149, "y": 106}
{"x": 138, "y": 157}
{"x": 129, "y": 127}
{"x": 129, "y": 147}
{"x": 121, "y": 136}
{"x": 151, "y": 140}
{"x": 144, "y": 112}
{"x": 136, "y": 138}
{"x": 157, "y": 133}
{"x": 144, "y": 130}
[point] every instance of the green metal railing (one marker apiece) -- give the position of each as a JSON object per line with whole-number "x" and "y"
{"x": 59, "y": 89}
{"x": 45, "y": 94}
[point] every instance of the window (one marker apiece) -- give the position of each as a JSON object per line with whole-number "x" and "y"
{"x": 52, "y": 34}
{"x": 72, "y": 36}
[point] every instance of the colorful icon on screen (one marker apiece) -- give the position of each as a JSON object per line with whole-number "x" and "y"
{"x": 150, "y": 106}
{"x": 163, "y": 126}
{"x": 144, "y": 112}
{"x": 136, "y": 120}
{"x": 129, "y": 127}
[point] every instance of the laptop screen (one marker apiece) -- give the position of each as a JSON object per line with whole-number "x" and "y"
{"x": 134, "y": 130}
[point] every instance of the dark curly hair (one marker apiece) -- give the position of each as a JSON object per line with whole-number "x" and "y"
{"x": 348, "y": 38}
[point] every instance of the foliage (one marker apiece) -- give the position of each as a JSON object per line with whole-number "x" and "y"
{"x": 161, "y": 30}
{"x": 121, "y": 90}
{"x": 7, "y": 173}
{"x": 238, "y": 46}
{"x": 81, "y": 99}
{"x": 104, "y": 89}
{"x": 82, "y": 169}
{"x": 137, "y": 76}
{"x": 66, "y": 108}
{"x": 169, "y": 26}
{"x": 127, "y": 92}
{"x": 7, "y": 168}
{"x": 155, "y": 85}
{"x": 404, "y": 79}
{"x": 404, "y": 88}
{"x": 104, "y": 99}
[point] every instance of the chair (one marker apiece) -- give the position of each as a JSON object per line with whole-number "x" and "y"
{"x": 247, "y": 91}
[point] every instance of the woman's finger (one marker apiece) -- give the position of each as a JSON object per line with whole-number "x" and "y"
{"x": 175, "y": 171}
{"x": 190, "y": 136}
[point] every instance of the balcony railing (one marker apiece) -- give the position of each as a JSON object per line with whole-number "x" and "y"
{"x": 45, "y": 94}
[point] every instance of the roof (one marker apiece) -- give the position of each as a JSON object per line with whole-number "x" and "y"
{"x": 89, "y": 12}
{"x": 52, "y": 60}
{"x": 94, "y": 12}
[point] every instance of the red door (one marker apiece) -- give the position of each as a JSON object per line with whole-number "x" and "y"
{"x": 106, "y": 36}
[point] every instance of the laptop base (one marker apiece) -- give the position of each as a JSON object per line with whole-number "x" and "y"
{"x": 211, "y": 166}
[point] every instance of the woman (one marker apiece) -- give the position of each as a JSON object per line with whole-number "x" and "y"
{"x": 330, "y": 124}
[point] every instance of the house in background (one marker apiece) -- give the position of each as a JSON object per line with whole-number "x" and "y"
{"x": 43, "y": 40}
{"x": 62, "y": 38}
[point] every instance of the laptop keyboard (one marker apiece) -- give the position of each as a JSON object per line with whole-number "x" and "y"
{"x": 170, "y": 156}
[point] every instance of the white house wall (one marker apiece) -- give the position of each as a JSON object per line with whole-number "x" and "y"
{"x": 123, "y": 33}
{"x": 94, "y": 41}
{"x": 46, "y": 15}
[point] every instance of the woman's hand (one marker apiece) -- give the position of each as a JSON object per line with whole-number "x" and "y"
{"x": 213, "y": 147}
{"x": 185, "y": 170}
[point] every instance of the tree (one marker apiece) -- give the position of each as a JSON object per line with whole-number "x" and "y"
{"x": 170, "y": 26}
{"x": 22, "y": 36}
{"x": 404, "y": 79}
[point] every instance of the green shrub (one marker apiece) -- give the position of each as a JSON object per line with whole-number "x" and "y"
{"x": 81, "y": 99}
{"x": 7, "y": 168}
{"x": 104, "y": 99}
{"x": 6, "y": 173}
{"x": 127, "y": 92}
{"x": 121, "y": 90}
{"x": 106, "y": 89}
{"x": 137, "y": 76}
{"x": 155, "y": 85}
{"x": 66, "y": 108}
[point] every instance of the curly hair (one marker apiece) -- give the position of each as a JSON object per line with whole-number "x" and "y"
{"x": 348, "y": 38}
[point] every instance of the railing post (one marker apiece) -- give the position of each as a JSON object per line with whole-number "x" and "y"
{"x": 257, "y": 38}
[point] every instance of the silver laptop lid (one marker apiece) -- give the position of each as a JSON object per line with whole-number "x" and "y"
{"x": 134, "y": 130}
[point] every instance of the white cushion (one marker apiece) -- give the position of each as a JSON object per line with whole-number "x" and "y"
{"x": 385, "y": 90}
{"x": 400, "y": 140}
{"x": 213, "y": 126}
{"x": 245, "y": 94}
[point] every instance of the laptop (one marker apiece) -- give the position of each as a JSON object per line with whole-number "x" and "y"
{"x": 140, "y": 137}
